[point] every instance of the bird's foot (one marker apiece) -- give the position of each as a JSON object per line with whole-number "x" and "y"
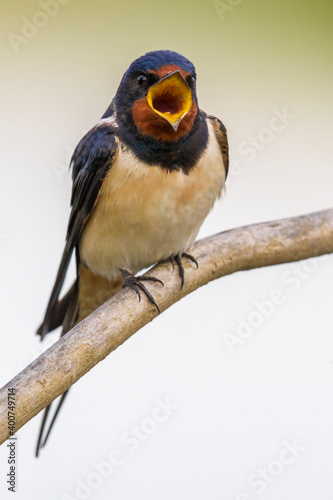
{"x": 134, "y": 282}
{"x": 178, "y": 260}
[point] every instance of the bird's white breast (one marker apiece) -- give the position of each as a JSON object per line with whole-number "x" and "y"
{"x": 145, "y": 214}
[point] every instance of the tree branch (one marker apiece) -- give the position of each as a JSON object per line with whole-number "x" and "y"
{"x": 240, "y": 249}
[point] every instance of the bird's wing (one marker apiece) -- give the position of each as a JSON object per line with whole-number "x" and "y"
{"x": 222, "y": 139}
{"x": 91, "y": 161}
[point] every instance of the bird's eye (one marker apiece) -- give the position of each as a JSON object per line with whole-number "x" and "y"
{"x": 191, "y": 79}
{"x": 141, "y": 80}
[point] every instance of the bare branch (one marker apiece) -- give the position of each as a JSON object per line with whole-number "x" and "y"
{"x": 115, "y": 321}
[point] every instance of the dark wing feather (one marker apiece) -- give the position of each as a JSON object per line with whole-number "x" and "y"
{"x": 91, "y": 161}
{"x": 222, "y": 139}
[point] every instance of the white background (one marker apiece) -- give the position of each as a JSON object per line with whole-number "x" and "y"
{"x": 236, "y": 408}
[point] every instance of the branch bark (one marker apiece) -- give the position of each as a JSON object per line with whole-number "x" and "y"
{"x": 239, "y": 249}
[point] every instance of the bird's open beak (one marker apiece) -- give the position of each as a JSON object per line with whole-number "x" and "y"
{"x": 171, "y": 98}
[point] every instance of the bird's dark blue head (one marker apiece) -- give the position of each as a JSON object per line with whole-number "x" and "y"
{"x": 157, "y": 96}
{"x": 154, "y": 60}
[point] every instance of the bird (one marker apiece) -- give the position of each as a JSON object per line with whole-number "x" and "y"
{"x": 145, "y": 177}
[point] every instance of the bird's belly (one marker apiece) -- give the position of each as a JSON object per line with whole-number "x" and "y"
{"x": 146, "y": 214}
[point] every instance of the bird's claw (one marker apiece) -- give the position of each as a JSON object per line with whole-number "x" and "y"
{"x": 134, "y": 282}
{"x": 178, "y": 259}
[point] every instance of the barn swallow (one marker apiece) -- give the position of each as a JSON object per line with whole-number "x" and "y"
{"x": 144, "y": 180}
